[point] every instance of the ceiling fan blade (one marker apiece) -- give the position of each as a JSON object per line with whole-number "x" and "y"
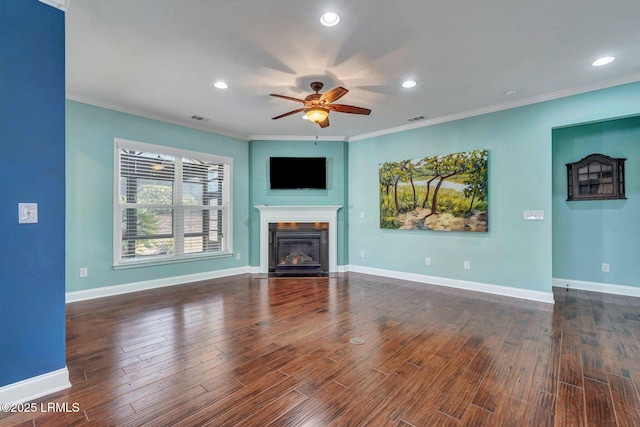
{"x": 341, "y": 108}
{"x": 324, "y": 123}
{"x": 334, "y": 94}
{"x": 288, "y": 114}
{"x": 287, "y": 97}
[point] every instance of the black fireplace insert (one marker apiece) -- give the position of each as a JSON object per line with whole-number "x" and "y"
{"x": 297, "y": 249}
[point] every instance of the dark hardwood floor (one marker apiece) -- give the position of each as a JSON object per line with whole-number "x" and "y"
{"x": 261, "y": 352}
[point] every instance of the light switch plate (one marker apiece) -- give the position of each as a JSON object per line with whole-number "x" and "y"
{"x": 534, "y": 215}
{"x": 27, "y": 213}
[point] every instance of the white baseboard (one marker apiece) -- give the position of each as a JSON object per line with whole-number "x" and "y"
{"x": 107, "y": 291}
{"x": 528, "y": 294}
{"x": 606, "y": 288}
{"x": 36, "y": 387}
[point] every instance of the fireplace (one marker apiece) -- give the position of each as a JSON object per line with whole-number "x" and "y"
{"x": 299, "y": 214}
{"x": 298, "y": 248}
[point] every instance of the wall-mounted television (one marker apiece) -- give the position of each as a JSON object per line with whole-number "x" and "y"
{"x": 295, "y": 173}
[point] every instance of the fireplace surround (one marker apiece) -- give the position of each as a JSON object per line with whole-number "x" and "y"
{"x": 299, "y": 214}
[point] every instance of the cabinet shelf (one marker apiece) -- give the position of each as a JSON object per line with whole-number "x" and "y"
{"x": 596, "y": 177}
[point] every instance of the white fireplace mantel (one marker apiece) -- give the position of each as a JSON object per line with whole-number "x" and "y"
{"x": 271, "y": 214}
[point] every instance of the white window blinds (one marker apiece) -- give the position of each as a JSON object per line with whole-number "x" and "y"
{"x": 170, "y": 204}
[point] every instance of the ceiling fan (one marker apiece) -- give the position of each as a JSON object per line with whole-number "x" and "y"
{"x": 317, "y": 105}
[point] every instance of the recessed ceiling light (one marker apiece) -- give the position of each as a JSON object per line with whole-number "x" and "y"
{"x": 330, "y": 19}
{"x": 510, "y": 92}
{"x": 603, "y": 61}
{"x": 221, "y": 85}
{"x": 409, "y": 84}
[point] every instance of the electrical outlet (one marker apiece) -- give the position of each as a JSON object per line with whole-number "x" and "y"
{"x": 84, "y": 272}
{"x": 237, "y": 255}
{"x": 361, "y": 214}
{"x": 361, "y": 254}
{"x": 427, "y": 261}
{"x": 467, "y": 265}
{"x": 605, "y": 267}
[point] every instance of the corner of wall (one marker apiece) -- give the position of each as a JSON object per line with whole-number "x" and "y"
{"x": 36, "y": 387}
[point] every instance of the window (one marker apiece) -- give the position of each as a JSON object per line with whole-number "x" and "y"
{"x": 595, "y": 177}
{"x": 170, "y": 204}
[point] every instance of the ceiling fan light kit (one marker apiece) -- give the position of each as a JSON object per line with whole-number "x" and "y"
{"x": 316, "y": 114}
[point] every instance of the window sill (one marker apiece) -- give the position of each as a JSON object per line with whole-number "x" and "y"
{"x": 169, "y": 260}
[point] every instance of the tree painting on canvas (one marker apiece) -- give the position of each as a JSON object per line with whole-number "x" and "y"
{"x": 447, "y": 192}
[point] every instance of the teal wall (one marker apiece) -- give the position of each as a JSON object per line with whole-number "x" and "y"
{"x": 589, "y": 233}
{"x": 336, "y": 153}
{"x": 89, "y": 206}
{"x": 514, "y": 252}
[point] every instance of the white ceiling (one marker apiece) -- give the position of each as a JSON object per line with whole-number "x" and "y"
{"x": 160, "y": 58}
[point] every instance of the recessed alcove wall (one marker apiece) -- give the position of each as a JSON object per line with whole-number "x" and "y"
{"x": 587, "y": 234}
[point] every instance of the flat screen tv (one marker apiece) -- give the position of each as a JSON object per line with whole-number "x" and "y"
{"x": 294, "y": 173}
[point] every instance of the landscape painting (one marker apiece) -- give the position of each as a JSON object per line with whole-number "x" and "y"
{"x": 447, "y": 192}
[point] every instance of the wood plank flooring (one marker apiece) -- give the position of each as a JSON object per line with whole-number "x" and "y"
{"x": 276, "y": 352}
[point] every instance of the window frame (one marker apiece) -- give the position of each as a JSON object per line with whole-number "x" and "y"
{"x": 178, "y": 227}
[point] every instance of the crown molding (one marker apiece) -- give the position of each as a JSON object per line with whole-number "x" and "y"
{"x": 62, "y": 5}
{"x": 159, "y": 117}
{"x": 630, "y": 78}
{"x": 296, "y": 138}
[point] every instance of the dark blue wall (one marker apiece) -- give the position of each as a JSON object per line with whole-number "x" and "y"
{"x": 32, "y": 169}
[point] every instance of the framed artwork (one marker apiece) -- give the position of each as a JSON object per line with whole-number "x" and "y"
{"x": 447, "y": 192}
